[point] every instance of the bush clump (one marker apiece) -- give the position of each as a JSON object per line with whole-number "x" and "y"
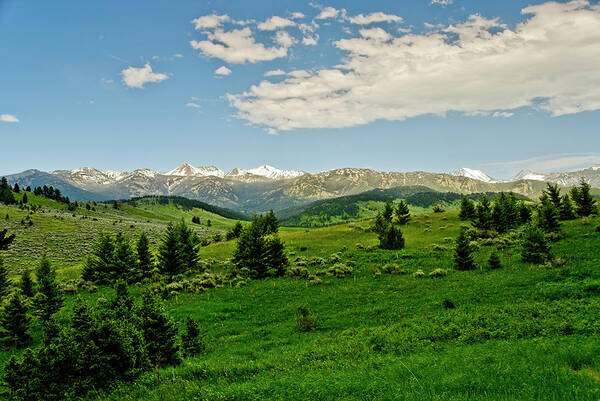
{"x": 305, "y": 320}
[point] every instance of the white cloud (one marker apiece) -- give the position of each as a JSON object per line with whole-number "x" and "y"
{"x": 274, "y": 23}
{"x": 283, "y": 39}
{"x": 274, "y": 73}
{"x": 107, "y": 81}
{"x": 296, "y": 15}
{"x": 178, "y": 55}
{"x": 361, "y": 19}
{"x": 8, "y": 118}
{"x": 544, "y": 164}
{"x": 310, "y": 40}
{"x": 137, "y": 77}
{"x": 502, "y": 114}
{"x": 329, "y": 12}
{"x": 442, "y": 2}
{"x": 192, "y": 104}
{"x": 550, "y": 61}
{"x": 223, "y": 71}
{"x": 375, "y": 34}
{"x": 210, "y": 21}
{"x": 237, "y": 47}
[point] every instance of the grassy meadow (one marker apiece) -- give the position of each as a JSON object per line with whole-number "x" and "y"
{"x": 521, "y": 332}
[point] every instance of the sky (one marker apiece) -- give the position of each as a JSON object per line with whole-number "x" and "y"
{"x": 393, "y": 85}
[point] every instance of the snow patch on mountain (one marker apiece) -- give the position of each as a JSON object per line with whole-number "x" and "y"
{"x": 474, "y": 174}
{"x": 116, "y": 175}
{"x": 266, "y": 171}
{"x": 187, "y": 170}
{"x": 529, "y": 175}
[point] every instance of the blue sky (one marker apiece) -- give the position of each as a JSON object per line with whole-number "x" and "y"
{"x": 419, "y": 86}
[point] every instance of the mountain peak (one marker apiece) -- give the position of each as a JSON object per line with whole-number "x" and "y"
{"x": 187, "y": 170}
{"x": 474, "y": 174}
{"x": 529, "y": 175}
{"x": 266, "y": 171}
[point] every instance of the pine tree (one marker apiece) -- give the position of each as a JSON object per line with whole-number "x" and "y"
{"x": 391, "y": 238}
{"x": 463, "y": 253}
{"x": 234, "y": 232}
{"x": 124, "y": 259}
{"x": 100, "y": 264}
{"x": 566, "y": 211}
{"x": 159, "y": 331}
{"x": 5, "y": 282}
{"x": 6, "y": 193}
{"x": 402, "y": 212}
{"x": 15, "y": 322}
{"x": 524, "y": 213}
{"x": 170, "y": 259}
{"x": 548, "y": 218}
{"x": 467, "y": 209}
{"x": 270, "y": 224}
{"x": 48, "y": 299}
{"x": 5, "y": 240}
{"x": 553, "y": 194}
{"x": 494, "y": 261}
{"x": 483, "y": 214}
{"x": 16, "y": 188}
{"x": 585, "y": 204}
{"x": 380, "y": 225}
{"x": 535, "y": 245}
{"x": 275, "y": 259}
{"x": 388, "y": 211}
{"x": 25, "y": 200}
{"x": 251, "y": 250}
{"x": 191, "y": 340}
{"x": 145, "y": 262}
{"x": 187, "y": 246}
{"x": 26, "y": 284}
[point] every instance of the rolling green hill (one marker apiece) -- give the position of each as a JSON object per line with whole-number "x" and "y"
{"x": 521, "y": 332}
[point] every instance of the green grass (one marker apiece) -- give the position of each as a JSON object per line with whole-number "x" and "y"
{"x": 522, "y": 332}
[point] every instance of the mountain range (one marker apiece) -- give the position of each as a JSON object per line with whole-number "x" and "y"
{"x": 266, "y": 187}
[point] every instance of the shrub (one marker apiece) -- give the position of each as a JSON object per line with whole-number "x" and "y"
{"x": 438, "y": 273}
{"x": 297, "y": 272}
{"x": 305, "y": 320}
{"x": 392, "y": 269}
{"x": 535, "y": 246}
{"x": 494, "y": 261}
{"x": 463, "y": 253}
{"x": 448, "y": 304}
{"x": 340, "y": 270}
{"x": 419, "y": 274}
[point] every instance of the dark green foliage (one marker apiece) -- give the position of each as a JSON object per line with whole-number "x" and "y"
{"x": 262, "y": 254}
{"x": 505, "y": 213}
{"x": 5, "y": 240}
{"x": 15, "y": 322}
{"x": 548, "y": 218}
{"x": 16, "y": 188}
{"x": 268, "y": 224}
{"x": 187, "y": 243}
{"x": 208, "y": 223}
{"x": 189, "y": 204}
{"x": 51, "y": 193}
{"x": 380, "y": 224}
{"x": 438, "y": 208}
{"x": 196, "y": 220}
{"x": 305, "y": 320}
{"x": 192, "y": 342}
{"x": 566, "y": 211}
{"x": 159, "y": 331}
{"x": 48, "y": 299}
{"x": 467, "y": 209}
{"x": 553, "y": 195}
{"x": 145, "y": 260}
{"x": 124, "y": 259}
{"x": 171, "y": 261}
{"x": 483, "y": 214}
{"x": 525, "y": 213}
{"x": 100, "y": 264}
{"x": 26, "y": 284}
{"x": 5, "y": 282}
{"x": 402, "y": 212}
{"x": 25, "y": 200}
{"x": 494, "y": 261}
{"x": 388, "y": 212}
{"x": 585, "y": 204}
{"x": 6, "y": 193}
{"x": 535, "y": 245}
{"x": 463, "y": 252}
{"x": 391, "y": 238}
{"x": 234, "y": 232}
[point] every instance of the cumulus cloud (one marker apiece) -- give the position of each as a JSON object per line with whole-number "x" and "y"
{"x": 442, "y": 2}
{"x": 138, "y": 77}
{"x": 8, "y": 118}
{"x": 237, "y": 47}
{"x": 274, "y": 23}
{"x": 310, "y": 40}
{"x": 550, "y": 61}
{"x": 210, "y": 21}
{"x": 544, "y": 164}
{"x": 274, "y": 73}
{"x": 362, "y": 19}
{"x": 297, "y": 15}
{"x": 224, "y": 71}
{"x": 330, "y": 12}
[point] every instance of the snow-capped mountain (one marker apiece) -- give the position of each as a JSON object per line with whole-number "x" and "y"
{"x": 116, "y": 175}
{"x": 474, "y": 174}
{"x": 529, "y": 175}
{"x": 266, "y": 171}
{"x": 187, "y": 170}
{"x": 83, "y": 176}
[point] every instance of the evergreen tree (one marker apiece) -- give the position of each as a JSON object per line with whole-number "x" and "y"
{"x": 208, "y": 223}
{"x": 250, "y": 251}
{"x": 48, "y": 299}
{"x": 170, "y": 259}
{"x": 159, "y": 331}
{"x": 494, "y": 261}
{"x": 5, "y": 240}
{"x": 100, "y": 264}
{"x": 388, "y": 212}
{"x": 25, "y": 200}
{"x": 553, "y": 194}
{"x": 145, "y": 260}
{"x": 275, "y": 259}
{"x": 585, "y": 204}
{"x": 5, "y": 283}
{"x": 124, "y": 259}
{"x": 380, "y": 225}
{"x": 187, "y": 246}
{"x": 548, "y": 218}
{"x": 463, "y": 253}
{"x": 191, "y": 340}
{"x": 15, "y": 322}
{"x": 535, "y": 246}
{"x": 566, "y": 211}
{"x": 270, "y": 223}
{"x": 467, "y": 209}
{"x": 16, "y": 188}
{"x": 234, "y": 232}
{"x": 402, "y": 212}
{"x": 391, "y": 238}
{"x": 483, "y": 214}
{"x": 26, "y": 284}
{"x": 524, "y": 213}
{"x": 6, "y": 193}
